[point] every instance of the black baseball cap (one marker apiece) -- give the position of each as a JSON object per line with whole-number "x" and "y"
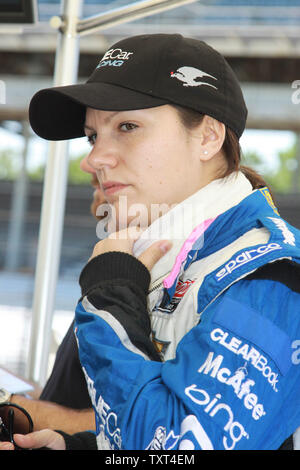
{"x": 139, "y": 72}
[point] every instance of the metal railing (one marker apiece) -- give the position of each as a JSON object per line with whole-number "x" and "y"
{"x": 70, "y": 26}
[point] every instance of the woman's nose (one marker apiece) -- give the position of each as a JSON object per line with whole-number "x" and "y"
{"x": 100, "y": 157}
{"x": 86, "y": 167}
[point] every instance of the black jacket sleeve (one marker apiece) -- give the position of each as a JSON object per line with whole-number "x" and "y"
{"x": 119, "y": 283}
{"x": 85, "y": 440}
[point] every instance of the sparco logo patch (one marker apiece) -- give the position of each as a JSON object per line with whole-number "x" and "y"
{"x": 246, "y": 257}
{"x": 190, "y": 76}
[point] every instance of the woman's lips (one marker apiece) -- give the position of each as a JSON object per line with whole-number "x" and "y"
{"x": 111, "y": 189}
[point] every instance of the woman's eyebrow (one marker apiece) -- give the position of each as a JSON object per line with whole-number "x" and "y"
{"x": 106, "y": 120}
{"x": 89, "y": 128}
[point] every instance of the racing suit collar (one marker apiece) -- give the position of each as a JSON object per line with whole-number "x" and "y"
{"x": 190, "y": 218}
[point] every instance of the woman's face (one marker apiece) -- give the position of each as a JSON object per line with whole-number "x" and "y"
{"x": 144, "y": 159}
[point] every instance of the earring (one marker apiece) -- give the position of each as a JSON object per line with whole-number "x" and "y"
{"x": 205, "y": 152}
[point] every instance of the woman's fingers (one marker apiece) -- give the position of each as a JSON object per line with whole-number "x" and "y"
{"x": 153, "y": 254}
{"x": 6, "y": 446}
{"x": 118, "y": 241}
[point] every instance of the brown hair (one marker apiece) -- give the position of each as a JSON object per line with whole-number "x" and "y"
{"x": 231, "y": 147}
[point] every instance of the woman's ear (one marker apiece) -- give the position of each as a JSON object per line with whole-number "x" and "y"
{"x": 213, "y": 135}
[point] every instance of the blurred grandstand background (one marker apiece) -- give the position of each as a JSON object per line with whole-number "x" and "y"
{"x": 261, "y": 41}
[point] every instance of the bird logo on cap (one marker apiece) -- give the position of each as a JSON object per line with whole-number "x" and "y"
{"x": 190, "y": 75}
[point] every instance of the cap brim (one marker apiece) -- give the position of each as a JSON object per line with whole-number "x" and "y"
{"x": 59, "y": 113}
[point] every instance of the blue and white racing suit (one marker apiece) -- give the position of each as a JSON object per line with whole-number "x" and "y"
{"x": 208, "y": 357}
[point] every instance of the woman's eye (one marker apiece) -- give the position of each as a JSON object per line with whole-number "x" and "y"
{"x": 92, "y": 139}
{"x": 127, "y": 126}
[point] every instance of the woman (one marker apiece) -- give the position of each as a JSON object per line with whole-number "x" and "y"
{"x": 188, "y": 326}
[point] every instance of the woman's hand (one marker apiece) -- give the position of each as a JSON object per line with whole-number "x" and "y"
{"x": 35, "y": 440}
{"x": 124, "y": 240}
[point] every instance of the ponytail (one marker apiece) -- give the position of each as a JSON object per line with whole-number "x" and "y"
{"x": 255, "y": 178}
{"x": 232, "y": 151}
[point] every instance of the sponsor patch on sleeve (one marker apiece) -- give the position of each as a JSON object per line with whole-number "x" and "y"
{"x": 245, "y": 322}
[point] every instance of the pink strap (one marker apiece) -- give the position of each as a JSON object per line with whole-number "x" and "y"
{"x": 186, "y": 247}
